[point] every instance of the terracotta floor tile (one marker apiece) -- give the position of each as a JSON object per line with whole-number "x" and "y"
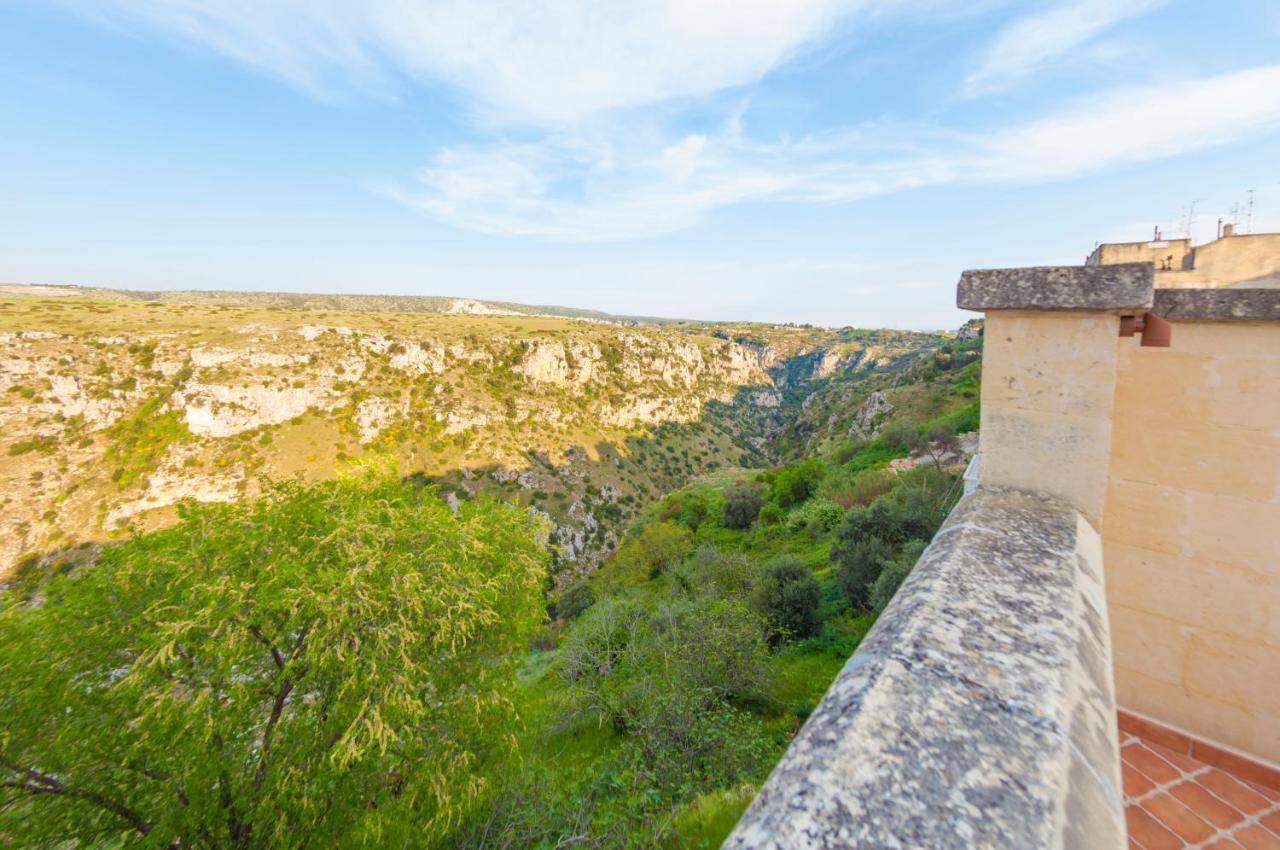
{"x": 1185, "y": 763}
{"x": 1256, "y": 838}
{"x": 1152, "y": 766}
{"x": 1211, "y": 810}
{"x": 1179, "y": 819}
{"x": 1272, "y": 794}
{"x": 1206, "y": 805}
{"x": 1135, "y": 784}
{"x": 1223, "y": 844}
{"x": 1233, "y": 792}
{"x": 1150, "y": 834}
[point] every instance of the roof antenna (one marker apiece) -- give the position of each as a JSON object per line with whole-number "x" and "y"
{"x": 1191, "y": 217}
{"x": 1249, "y": 226}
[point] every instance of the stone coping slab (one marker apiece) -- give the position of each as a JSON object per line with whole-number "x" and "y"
{"x": 978, "y": 712}
{"x": 1123, "y": 286}
{"x": 1219, "y": 305}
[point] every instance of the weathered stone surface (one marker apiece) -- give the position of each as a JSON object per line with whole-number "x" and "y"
{"x": 1225, "y": 304}
{"x": 978, "y": 712}
{"x": 1124, "y": 286}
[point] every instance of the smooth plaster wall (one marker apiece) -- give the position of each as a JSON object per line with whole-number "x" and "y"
{"x": 1191, "y": 532}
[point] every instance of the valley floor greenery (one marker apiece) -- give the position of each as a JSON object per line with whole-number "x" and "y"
{"x": 357, "y": 664}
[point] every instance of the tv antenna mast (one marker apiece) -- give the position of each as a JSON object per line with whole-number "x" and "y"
{"x": 1249, "y": 226}
{"x": 1191, "y": 217}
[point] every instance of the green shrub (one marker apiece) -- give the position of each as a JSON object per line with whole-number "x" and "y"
{"x": 858, "y": 564}
{"x": 815, "y": 516}
{"x": 906, "y": 514}
{"x": 789, "y": 595}
{"x": 574, "y": 600}
{"x": 848, "y": 488}
{"x": 791, "y": 485}
{"x": 893, "y": 572}
{"x": 657, "y": 546}
{"x": 741, "y": 507}
{"x": 43, "y": 444}
{"x": 771, "y": 514}
{"x": 725, "y": 574}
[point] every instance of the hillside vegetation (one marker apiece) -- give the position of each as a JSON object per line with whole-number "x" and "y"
{"x": 594, "y": 616}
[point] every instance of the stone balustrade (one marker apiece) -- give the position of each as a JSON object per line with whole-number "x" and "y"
{"x": 978, "y": 712}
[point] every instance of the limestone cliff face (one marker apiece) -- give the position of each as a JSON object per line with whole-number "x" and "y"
{"x": 111, "y": 413}
{"x": 104, "y": 431}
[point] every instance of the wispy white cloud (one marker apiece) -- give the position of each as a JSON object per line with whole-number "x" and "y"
{"x": 1038, "y": 40}
{"x": 552, "y": 62}
{"x": 577, "y": 98}
{"x": 605, "y": 185}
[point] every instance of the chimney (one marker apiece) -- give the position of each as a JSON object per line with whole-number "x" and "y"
{"x": 1228, "y": 230}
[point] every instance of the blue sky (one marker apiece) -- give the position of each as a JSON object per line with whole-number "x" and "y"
{"x": 826, "y": 161}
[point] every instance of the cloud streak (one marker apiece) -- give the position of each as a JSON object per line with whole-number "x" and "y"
{"x": 578, "y": 101}
{"x": 604, "y": 186}
{"x": 550, "y": 63}
{"x": 1035, "y": 41}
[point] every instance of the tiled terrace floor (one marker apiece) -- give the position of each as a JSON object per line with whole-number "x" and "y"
{"x": 1173, "y": 801}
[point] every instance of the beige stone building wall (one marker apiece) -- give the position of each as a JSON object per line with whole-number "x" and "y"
{"x": 1238, "y": 259}
{"x": 1191, "y": 532}
{"x": 1232, "y": 259}
{"x": 1157, "y": 253}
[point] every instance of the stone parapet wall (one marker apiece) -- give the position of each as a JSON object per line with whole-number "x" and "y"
{"x": 979, "y": 712}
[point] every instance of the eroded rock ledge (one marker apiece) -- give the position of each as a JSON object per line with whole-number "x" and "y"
{"x": 979, "y": 712}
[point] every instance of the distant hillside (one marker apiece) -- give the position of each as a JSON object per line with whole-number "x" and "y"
{"x": 313, "y": 301}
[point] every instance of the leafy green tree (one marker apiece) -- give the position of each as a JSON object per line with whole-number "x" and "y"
{"x": 789, "y": 596}
{"x": 656, "y": 547}
{"x": 793, "y": 484}
{"x": 893, "y": 573}
{"x": 906, "y": 514}
{"x": 859, "y": 561}
{"x": 741, "y": 506}
{"x": 325, "y": 666}
{"x": 900, "y": 436}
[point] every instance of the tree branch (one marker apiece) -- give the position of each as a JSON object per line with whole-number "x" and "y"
{"x": 38, "y": 782}
{"x": 277, "y": 709}
{"x": 276, "y": 655}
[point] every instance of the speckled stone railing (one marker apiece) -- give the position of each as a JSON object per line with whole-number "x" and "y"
{"x": 979, "y": 712}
